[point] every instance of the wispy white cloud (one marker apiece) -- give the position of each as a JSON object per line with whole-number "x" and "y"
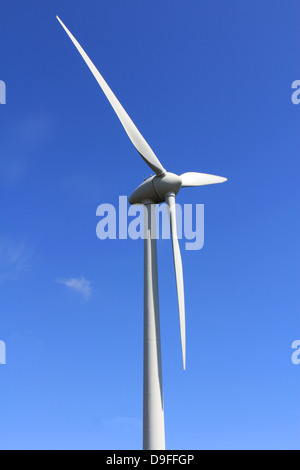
{"x": 14, "y": 258}
{"x": 80, "y": 285}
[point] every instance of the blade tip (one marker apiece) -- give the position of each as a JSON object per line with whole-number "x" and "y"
{"x": 222, "y": 180}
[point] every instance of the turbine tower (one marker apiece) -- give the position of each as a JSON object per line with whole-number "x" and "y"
{"x": 163, "y": 187}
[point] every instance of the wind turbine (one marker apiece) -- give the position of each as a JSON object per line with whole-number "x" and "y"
{"x": 163, "y": 187}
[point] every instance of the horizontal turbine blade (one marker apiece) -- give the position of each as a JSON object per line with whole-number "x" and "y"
{"x": 134, "y": 135}
{"x": 170, "y": 200}
{"x": 200, "y": 179}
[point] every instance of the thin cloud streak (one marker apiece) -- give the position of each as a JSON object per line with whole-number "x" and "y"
{"x": 80, "y": 285}
{"x": 14, "y": 258}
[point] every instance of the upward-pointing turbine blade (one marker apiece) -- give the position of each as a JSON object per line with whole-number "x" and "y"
{"x": 200, "y": 179}
{"x": 170, "y": 200}
{"x": 133, "y": 133}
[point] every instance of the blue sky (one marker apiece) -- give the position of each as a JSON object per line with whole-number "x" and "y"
{"x": 208, "y": 83}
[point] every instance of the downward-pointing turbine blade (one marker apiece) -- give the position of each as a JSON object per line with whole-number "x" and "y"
{"x": 135, "y": 136}
{"x": 200, "y": 179}
{"x": 170, "y": 200}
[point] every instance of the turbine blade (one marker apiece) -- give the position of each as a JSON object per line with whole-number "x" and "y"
{"x": 200, "y": 179}
{"x": 170, "y": 200}
{"x": 134, "y": 135}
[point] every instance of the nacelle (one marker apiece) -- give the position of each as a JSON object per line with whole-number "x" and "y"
{"x": 155, "y": 189}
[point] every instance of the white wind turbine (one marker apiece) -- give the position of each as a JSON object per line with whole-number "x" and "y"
{"x": 160, "y": 188}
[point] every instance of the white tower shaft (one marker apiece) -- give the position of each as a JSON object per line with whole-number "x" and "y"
{"x": 154, "y": 426}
